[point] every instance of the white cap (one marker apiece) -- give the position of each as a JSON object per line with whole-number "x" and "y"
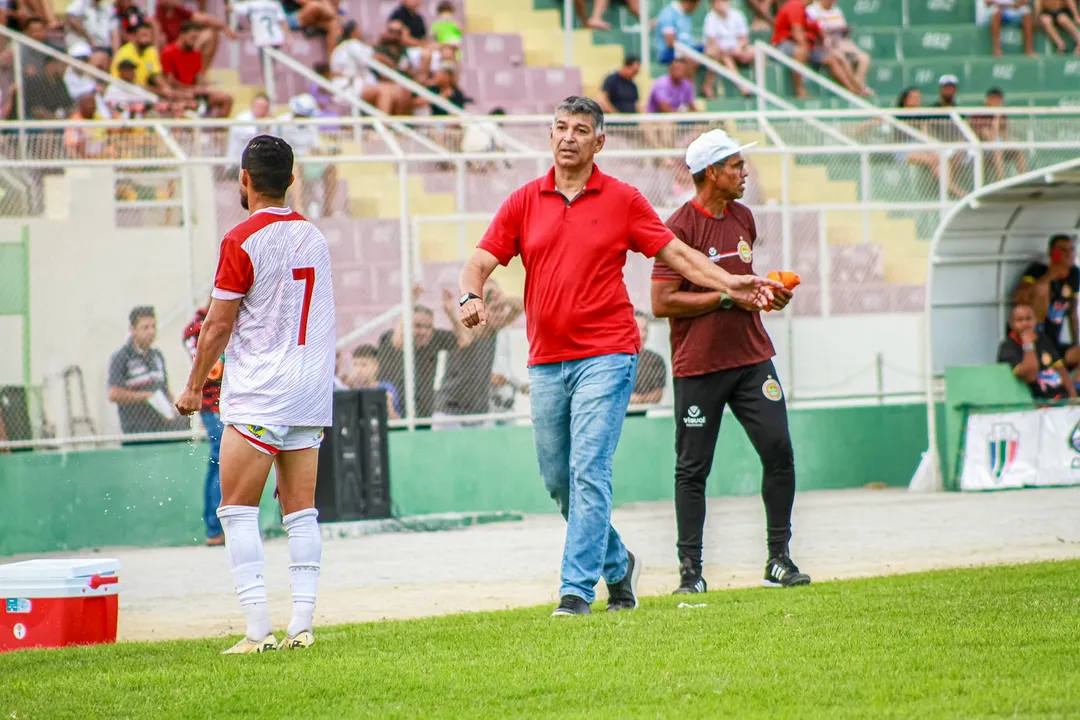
{"x": 303, "y": 105}
{"x": 79, "y": 49}
{"x": 710, "y": 148}
{"x": 948, "y": 80}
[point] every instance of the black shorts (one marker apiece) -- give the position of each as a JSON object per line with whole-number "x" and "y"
{"x": 1054, "y": 14}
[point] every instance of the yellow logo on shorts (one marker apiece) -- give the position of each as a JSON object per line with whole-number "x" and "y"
{"x": 256, "y": 430}
{"x": 772, "y": 390}
{"x": 745, "y": 251}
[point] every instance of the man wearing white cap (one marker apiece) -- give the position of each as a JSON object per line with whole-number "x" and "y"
{"x": 721, "y": 356}
{"x": 79, "y": 83}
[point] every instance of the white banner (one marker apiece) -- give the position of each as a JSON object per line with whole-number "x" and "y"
{"x": 1001, "y": 451}
{"x": 1059, "y": 447}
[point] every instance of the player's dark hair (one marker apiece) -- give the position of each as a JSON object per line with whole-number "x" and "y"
{"x": 1060, "y": 237}
{"x": 269, "y": 162}
{"x": 138, "y": 313}
{"x": 365, "y": 351}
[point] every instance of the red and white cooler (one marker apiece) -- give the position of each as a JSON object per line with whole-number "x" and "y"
{"x": 58, "y": 602}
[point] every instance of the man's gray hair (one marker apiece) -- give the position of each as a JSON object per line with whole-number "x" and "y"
{"x": 576, "y": 105}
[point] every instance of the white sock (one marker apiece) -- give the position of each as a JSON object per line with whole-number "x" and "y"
{"x": 305, "y": 555}
{"x": 243, "y": 543}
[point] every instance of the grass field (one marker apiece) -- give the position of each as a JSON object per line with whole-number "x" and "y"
{"x": 990, "y": 642}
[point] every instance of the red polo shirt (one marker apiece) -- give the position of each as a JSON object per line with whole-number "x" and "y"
{"x": 792, "y": 13}
{"x": 576, "y": 304}
{"x": 183, "y": 66}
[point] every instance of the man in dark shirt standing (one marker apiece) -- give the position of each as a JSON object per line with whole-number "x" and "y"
{"x": 138, "y": 383}
{"x": 1033, "y": 358}
{"x": 1050, "y": 290}
{"x": 427, "y": 343}
{"x": 620, "y": 93}
{"x": 721, "y": 355}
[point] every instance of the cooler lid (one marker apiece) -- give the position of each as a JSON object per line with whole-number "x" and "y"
{"x": 59, "y": 568}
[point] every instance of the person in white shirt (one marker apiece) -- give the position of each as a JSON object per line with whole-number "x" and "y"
{"x": 92, "y": 21}
{"x": 79, "y": 83}
{"x": 727, "y": 40}
{"x": 269, "y": 26}
{"x": 240, "y": 135}
{"x": 306, "y": 142}
{"x": 273, "y": 308}
{"x": 836, "y": 36}
{"x": 349, "y": 65}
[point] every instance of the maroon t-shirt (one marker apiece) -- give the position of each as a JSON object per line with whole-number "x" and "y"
{"x": 721, "y": 339}
{"x": 171, "y": 20}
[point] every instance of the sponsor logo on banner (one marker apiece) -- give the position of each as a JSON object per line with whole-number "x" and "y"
{"x": 1004, "y": 444}
{"x": 694, "y": 418}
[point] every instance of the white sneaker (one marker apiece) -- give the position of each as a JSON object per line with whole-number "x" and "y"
{"x": 248, "y": 646}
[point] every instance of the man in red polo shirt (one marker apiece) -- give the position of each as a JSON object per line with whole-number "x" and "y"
{"x": 182, "y": 65}
{"x": 722, "y": 356}
{"x": 572, "y": 229}
{"x": 795, "y": 35}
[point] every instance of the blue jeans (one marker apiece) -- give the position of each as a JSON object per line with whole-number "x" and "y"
{"x": 212, "y": 490}
{"x": 578, "y": 409}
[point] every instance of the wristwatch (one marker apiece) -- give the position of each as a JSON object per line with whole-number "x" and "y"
{"x": 466, "y": 298}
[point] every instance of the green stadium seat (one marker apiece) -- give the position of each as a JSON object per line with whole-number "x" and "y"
{"x": 882, "y": 43}
{"x": 941, "y": 42}
{"x": 1006, "y": 72}
{"x": 924, "y": 75}
{"x": 887, "y": 79}
{"x": 1012, "y": 42}
{"x": 873, "y": 13}
{"x": 1061, "y": 73}
{"x": 939, "y": 12}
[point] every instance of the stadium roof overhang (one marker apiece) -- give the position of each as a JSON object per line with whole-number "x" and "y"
{"x": 976, "y": 257}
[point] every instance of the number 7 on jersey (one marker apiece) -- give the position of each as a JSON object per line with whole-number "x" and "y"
{"x": 306, "y": 274}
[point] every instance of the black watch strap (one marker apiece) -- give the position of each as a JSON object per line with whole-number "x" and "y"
{"x": 466, "y": 298}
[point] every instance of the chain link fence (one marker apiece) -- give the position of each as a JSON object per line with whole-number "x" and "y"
{"x": 135, "y": 224}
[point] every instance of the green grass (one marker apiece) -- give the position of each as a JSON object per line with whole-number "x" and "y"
{"x": 994, "y": 642}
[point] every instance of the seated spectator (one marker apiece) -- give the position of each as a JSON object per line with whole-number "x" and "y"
{"x": 1011, "y": 12}
{"x": 799, "y": 37}
{"x": 391, "y": 49}
{"x": 651, "y": 372}
{"x": 466, "y": 386}
{"x": 619, "y": 93}
{"x": 673, "y": 92}
{"x": 122, "y": 102}
{"x": 47, "y": 96}
{"x": 32, "y": 60}
{"x": 138, "y": 382}
{"x": 306, "y": 143}
{"x": 727, "y": 41}
{"x": 675, "y": 23}
{"x": 427, "y": 344}
{"x": 182, "y": 66}
{"x": 83, "y": 142}
{"x": 836, "y": 37}
{"x": 927, "y": 159}
{"x": 994, "y": 128}
{"x": 445, "y": 29}
{"x": 446, "y": 87}
{"x": 247, "y": 127}
{"x": 79, "y": 83}
{"x": 17, "y": 13}
{"x": 320, "y": 16}
{"x": 1050, "y": 290}
{"x": 349, "y": 65}
{"x": 764, "y": 12}
{"x": 92, "y": 22}
{"x": 408, "y": 14}
{"x": 129, "y": 17}
{"x": 1034, "y": 359}
{"x": 595, "y": 21}
{"x": 266, "y": 18}
{"x": 365, "y": 376}
{"x": 172, "y": 17}
{"x": 141, "y": 51}
{"x": 1060, "y": 13}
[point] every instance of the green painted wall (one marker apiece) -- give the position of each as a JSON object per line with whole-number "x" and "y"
{"x": 153, "y": 495}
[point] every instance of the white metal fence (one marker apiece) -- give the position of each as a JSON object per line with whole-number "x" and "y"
{"x": 136, "y": 221}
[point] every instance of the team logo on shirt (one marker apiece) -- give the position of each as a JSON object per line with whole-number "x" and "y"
{"x": 745, "y": 251}
{"x": 772, "y": 390}
{"x": 693, "y": 418}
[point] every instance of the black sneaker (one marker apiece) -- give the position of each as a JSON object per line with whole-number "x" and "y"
{"x": 572, "y": 605}
{"x": 691, "y": 580}
{"x": 781, "y": 572}
{"x": 623, "y": 594}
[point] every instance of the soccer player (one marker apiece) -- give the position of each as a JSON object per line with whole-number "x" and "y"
{"x": 573, "y": 228}
{"x": 722, "y": 356}
{"x": 273, "y": 306}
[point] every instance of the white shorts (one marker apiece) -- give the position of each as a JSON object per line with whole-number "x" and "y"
{"x": 274, "y": 439}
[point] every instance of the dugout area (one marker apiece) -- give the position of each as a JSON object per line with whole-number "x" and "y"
{"x": 977, "y": 255}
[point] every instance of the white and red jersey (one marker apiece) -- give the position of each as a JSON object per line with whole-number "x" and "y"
{"x": 279, "y": 367}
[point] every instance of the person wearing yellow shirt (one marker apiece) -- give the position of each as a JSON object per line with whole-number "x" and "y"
{"x": 141, "y": 51}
